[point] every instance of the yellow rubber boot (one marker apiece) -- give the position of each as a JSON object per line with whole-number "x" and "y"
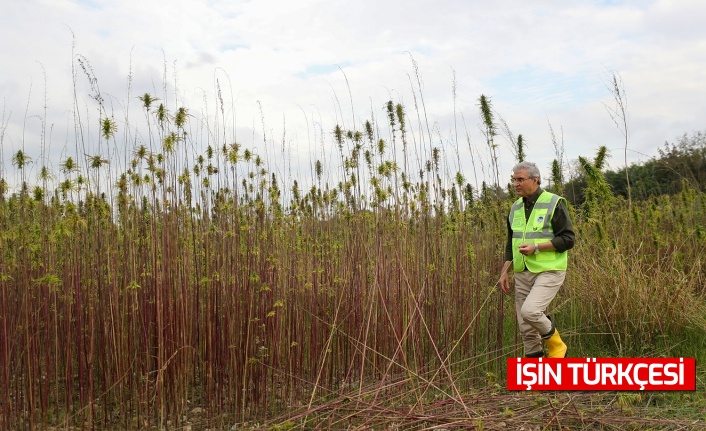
{"x": 555, "y": 347}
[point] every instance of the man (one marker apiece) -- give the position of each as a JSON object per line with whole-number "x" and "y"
{"x": 539, "y": 234}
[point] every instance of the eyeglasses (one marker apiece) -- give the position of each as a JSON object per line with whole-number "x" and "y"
{"x": 519, "y": 180}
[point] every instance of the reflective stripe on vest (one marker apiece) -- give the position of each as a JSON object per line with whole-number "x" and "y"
{"x": 536, "y": 230}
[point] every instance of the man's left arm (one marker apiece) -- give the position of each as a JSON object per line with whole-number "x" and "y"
{"x": 564, "y": 235}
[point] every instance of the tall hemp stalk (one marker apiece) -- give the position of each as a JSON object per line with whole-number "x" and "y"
{"x": 490, "y": 131}
{"x": 619, "y": 114}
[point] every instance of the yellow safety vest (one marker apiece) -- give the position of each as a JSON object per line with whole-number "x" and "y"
{"x": 536, "y": 230}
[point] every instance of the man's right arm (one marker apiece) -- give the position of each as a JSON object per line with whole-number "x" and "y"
{"x": 504, "y": 281}
{"x": 508, "y": 243}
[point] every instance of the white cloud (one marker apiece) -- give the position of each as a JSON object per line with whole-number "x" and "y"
{"x": 541, "y": 64}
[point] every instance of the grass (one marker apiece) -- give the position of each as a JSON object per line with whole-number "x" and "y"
{"x": 494, "y": 409}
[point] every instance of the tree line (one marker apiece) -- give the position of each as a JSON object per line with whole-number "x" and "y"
{"x": 678, "y": 163}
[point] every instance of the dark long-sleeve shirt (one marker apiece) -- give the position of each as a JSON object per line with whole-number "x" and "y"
{"x": 564, "y": 236}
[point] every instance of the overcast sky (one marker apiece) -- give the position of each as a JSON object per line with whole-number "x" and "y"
{"x": 286, "y": 67}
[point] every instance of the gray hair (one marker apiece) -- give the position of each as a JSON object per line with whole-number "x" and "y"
{"x": 531, "y": 168}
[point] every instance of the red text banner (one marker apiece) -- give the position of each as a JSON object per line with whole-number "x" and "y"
{"x": 614, "y": 374}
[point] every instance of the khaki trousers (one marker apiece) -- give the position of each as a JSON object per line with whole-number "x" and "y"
{"x": 533, "y": 293}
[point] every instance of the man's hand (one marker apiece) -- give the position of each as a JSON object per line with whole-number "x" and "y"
{"x": 504, "y": 283}
{"x": 526, "y": 249}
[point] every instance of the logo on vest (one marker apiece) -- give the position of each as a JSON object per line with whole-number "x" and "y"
{"x": 538, "y": 224}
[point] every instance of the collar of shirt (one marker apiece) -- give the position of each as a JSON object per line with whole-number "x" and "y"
{"x": 529, "y": 202}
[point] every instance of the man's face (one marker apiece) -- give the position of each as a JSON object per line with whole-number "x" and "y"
{"x": 524, "y": 185}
